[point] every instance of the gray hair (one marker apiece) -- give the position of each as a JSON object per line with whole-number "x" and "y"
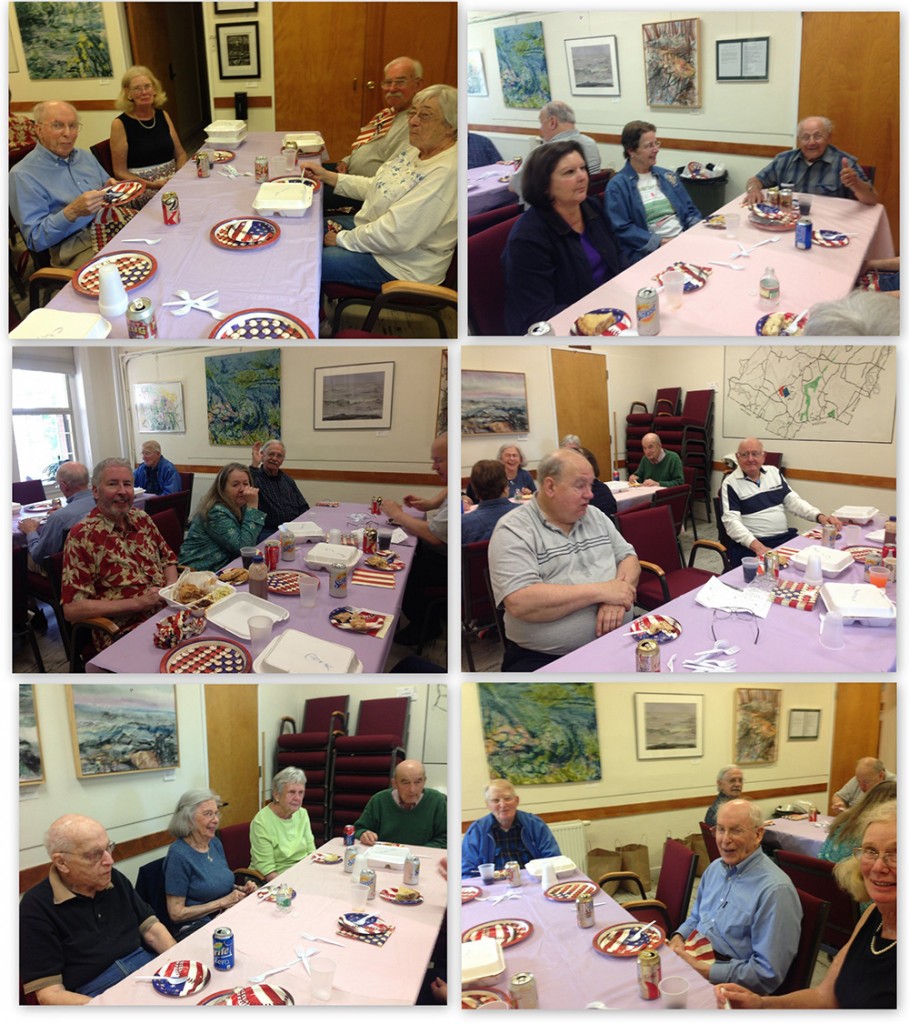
{"x": 504, "y": 448}
{"x": 559, "y": 110}
{"x": 271, "y": 444}
{"x": 289, "y": 776}
{"x": 106, "y": 464}
{"x": 859, "y": 314}
{"x": 496, "y": 784}
{"x": 40, "y": 109}
{"x": 849, "y": 872}
{"x": 153, "y": 446}
{"x": 827, "y": 123}
{"x": 570, "y": 441}
{"x": 181, "y": 824}
{"x": 447, "y": 96}
{"x": 73, "y": 474}
{"x": 874, "y": 764}
{"x": 721, "y": 774}
{"x": 417, "y": 66}
{"x": 553, "y": 465}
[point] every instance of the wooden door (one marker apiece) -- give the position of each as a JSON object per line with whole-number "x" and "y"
{"x": 580, "y": 385}
{"x": 850, "y": 72}
{"x": 232, "y": 734}
{"x": 856, "y": 730}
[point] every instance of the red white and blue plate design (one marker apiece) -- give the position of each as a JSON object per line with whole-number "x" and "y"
{"x": 629, "y": 938}
{"x": 695, "y": 277}
{"x": 286, "y": 179}
{"x": 135, "y": 269}
{"x": 222, "y": 156}
{"x": 829, "y": 239}
{"x": 249, "y": 995}
{"x": 326, "y": 858}
{"x": 622, "y": 320}
{"x": 123, "y": 192}
{"x": 260, "y": 325}
{"x": 181, "y": 978}
{"x": 507, "y": 932}
{"x": 363, "y": 924}
{"x": 787, "y": 323}
{"x": 661, "y": 628}
{"x": 772, "y": 218}
{"x": 207, "y": 654}
{"x": 391, "y": 893}
{"x": 474, "y": 998}
{"x": 245, "y": 233}
{"x": 568, "y": 892}
{"x": 469, "y": 892}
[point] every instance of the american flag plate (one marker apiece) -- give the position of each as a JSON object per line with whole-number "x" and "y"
{"x": 207, "y": 654}
{"x": 245, "y": 233}
{"x": 135, "y": 268}
{"x": 260, "y": 324}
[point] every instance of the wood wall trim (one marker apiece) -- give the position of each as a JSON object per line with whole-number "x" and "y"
{"x": 661, "y": 806}
{"x": 884, "y": 483}
{"x": 346, "y": 476}
{"x": 223, "y": 102}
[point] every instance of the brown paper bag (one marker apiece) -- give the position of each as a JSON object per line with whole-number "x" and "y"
{"x": 599, "y": 862}
{"x": 636, "y": 858}
{"x": 696, "y": 843}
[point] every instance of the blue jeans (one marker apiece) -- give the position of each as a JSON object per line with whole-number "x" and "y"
{"x": 356, "y": 268}
{"x": 117, "y": 971}
{"x": 736, "y": 552}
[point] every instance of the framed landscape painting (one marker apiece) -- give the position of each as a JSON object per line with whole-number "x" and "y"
{"x": 493, "y": 402}
{"x": 354, "y": 397}
{"x": 669, "y": 725}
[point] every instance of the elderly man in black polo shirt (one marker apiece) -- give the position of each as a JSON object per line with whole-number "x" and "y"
{"x": 279, "y": 497}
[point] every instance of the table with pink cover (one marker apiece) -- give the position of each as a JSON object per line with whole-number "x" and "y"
{"x": 485, "y": 190}
{"x": 284, "y": 275}
{"x": 136, "y": 651}
{"x": 634, "y": 497}
{"x": 728, "y": 304}
{"x": 365, "y": 975}
{"x": 570, "y": 973}
{"x": 798, "y": 836}
{"x": 789, "y": 637}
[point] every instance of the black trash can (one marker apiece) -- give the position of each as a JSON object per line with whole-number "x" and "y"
{"x": 707, "y": 194}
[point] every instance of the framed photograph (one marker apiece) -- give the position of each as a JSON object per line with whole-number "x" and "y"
{"x": 159, "y": 408}
{"x": 757, "y": 726}
{"x": 238, "y": 50}
{"x": 476, "y": 74}
{"x": 31, "y": 764}
{"x": 804, "y": 723}
{"x": 593, "y": 66}
{"x": 442, "y": 408}
{"x": 240, "y": 7}
{"x": 493, "y": 402}
{"x": 672, "y": 63}
{"x": 121, "y": 729}
{"x": 743, "y": 60}
{"x": 668, "y": 725}
{"x": 353, "y": 397}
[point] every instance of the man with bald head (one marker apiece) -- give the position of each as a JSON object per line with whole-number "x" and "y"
{"x": 658, "y": 468}
{"x": 407, "y": 813}
{"x": 562, "y": 570}
{"x": 505, "y": 833}
{"x": 869, "y": 771}
{"x": 755, "y": 501}
{"x": 56, "y": 190}
{"x": 47, "y": 538}
{"x": 84, "y": 928}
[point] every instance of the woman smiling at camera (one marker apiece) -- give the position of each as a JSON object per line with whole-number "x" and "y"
{"x": 228, "y": 518}
{"x": 280, "y": 834}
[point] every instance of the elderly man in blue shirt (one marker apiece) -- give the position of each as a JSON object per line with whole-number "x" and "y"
{"x": 746, "y": 907}
{"x": 815, "y": 167}
{"x": 55, "y": 191}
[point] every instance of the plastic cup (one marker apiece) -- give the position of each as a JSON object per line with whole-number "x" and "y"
{"x": 673, "y": 285}
{"x": 246, "y": 555}
{"x": 804, "y": 205}
{"x": 832, "y": 631}
{"x": 308, "y": 587}
{"x": 334, "y": 536}
{"x": 322, "y": 972}
{"x": 290, "y": 157}
{"x": 487, "y": 873}
{"x": 260, "y": 627}
{"x": 359, "y": 894}
{"x": 750, "y": 568}
{"x": 674, "y": 991}
{"x": 384, "y": 539}
{"x": 879, "y": 575}
{"x": 733, "y": 220}
{"x": 852, "y": 535}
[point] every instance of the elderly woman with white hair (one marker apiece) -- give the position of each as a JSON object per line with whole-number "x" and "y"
{"x": 156, "y": 474}
{"x": 408, "y": 226}
{"x": 519, "y": 480}
{"x": 280, "y": 834}
{"x": 197, "y": 881}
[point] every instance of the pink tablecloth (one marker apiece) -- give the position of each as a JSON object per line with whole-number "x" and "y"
{"x": 284, "y": 275}
{"x": 365, "y": 975}
{"x": 789, "y": 638}
{"x": 136, "y": 652}
{"x": 484, "y": 189}
{"x": 801, "y": 836}
{"x": 570, "y": 973}
{"x": 728, "y": 304}
{"x": 635, "y": 497}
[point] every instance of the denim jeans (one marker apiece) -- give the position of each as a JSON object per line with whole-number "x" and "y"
{"x": 117, "y": 971}
{"x": 355, "y": 268}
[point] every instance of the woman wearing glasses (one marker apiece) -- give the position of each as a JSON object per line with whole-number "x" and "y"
{"x": 647, "y": 205}
{"x": 863, "y": 975}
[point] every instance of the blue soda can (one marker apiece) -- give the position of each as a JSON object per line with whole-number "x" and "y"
{"x": 803, "y": 233}
{"x": 223, "y": 949}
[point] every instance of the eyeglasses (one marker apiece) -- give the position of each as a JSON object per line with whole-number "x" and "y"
{"x": 736, "y": 832}
{"x": 750, "y": 455}
{"x": 652, "y": 145}
{"x": 423, "y": 116}
{"x": 59, "y": 126}
{"x": 723, "y": 614}
{"x": 814, "y": 137}
{"x": 95, "y": 856}
{"x": 868, "y": 855}
{"x": 386, "y": 83}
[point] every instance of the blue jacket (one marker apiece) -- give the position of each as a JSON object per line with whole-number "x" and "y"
{"x": 478, "y": 847}
{"x": 168, "y": 477}
{"x": 626, "y": 211}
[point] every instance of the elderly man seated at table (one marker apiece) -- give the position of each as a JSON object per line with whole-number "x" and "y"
{"x": 156, "y": 475}
{"x": 746, "y": 909}
{"x": 815, "y": 167}
{"x": 562, "y": 570}
{"x": 658, "y": 468}
{"x": 56, "y": 190}
{"x": 729, "y": 783}
{"x": 407, "y": 813}
{"x": 281, "y": 833}
{"x": 869, "y": 771}
{"x": 858, "y": 314}
{"x": 83, "y": 928}
{"x": 490, "y": 485}
{"x": 47, "y": 538}
{"x": 279, "y": 497}
{"x": 481, "y": 151}
{"x": 557, "y": 124}
{"x": 755, "y": 501}
{"x": 115, "y": 561}
{"x": 505, "y": 833}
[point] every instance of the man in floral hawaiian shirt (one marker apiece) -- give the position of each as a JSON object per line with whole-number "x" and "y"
{"x": 115, "y": 560}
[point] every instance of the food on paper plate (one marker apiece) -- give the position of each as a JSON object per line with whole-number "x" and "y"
{"x": 592, "y": 324}
{"x": 405, "y": 895}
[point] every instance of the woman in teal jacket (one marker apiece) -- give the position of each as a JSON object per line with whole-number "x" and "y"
{"x": 227, "y": 519}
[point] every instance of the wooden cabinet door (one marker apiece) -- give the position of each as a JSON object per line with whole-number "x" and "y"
{"x": 232, "y": 736}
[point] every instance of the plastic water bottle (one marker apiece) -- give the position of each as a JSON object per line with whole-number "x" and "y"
{"x": 770, "y": 289}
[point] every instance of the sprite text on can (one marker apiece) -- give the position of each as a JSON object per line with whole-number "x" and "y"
{"x": 223, "y": 949}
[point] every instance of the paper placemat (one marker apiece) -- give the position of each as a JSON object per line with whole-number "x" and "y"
{"x": 373, "y": 578}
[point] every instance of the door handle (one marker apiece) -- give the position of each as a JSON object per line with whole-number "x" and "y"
{"x": 370, "y": 85}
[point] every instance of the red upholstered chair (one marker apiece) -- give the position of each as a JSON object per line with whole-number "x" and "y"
{"x": 815, "y": 876}
{"x": 235, "y": 840}
{"x": 640, "y": 420}
{"x": 478, "y": 611}
{"x": 596, "y": 186}
{"x": 486, "y": 279}
{"x": 713, "y": 851}
{"x": 101, "y": 152}
{"x": 651, "y": 533}
{"x": 814, "y": 917}
{"x": 486, "y": 219}
{"x": 186, "y": 482}
{"x": 22, "y": 625}
{"x": 677, "y": 498}
{"x": 178, "y": 502}
{"x": 168, "y": 524}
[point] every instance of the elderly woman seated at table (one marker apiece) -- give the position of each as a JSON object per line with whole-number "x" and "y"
{"x": 647, "y": 205}
{"x": 228, "y": 518}
{"x": 603, "y": 498}
{"x": 846, "y": 829}
{"x": 408, "y": 226}
{"x": 280, "y": 834}
{"x": 563, "y": 246}
{"x": 197, "y": 881}
{"x": 144, "y": 144}
{"x": 863, "y": 975}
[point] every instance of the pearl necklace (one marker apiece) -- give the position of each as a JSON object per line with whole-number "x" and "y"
{"x": 886, "y": 949}
{"x": 148, "y": 127}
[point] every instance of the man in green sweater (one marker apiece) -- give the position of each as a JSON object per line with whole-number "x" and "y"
{"x": 658, "y": 468}
{"x": 406, "y": 813}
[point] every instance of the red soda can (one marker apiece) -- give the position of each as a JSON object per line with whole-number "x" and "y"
{"x": 272, "y": 554}
{"x": 261, "y": 166}
{"x": 376, "y": 507}
{"x": 812, "y": 814}
{"x": 170, "y": 203}
{"x": 348, "y": 835}
{"x": 370, "y": 540}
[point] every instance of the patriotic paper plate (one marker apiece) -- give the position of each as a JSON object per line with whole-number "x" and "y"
{"x": 469, "y": 892}
{"x": 661, "y": 628}
{"x": 474, "y": 998}
{"x": 135, "y": 268}
{"x": 622, "y": 321}
{"x": 568, "y": 892}
{"x": 628, "y": 939}
{"x": 207, "y": 654}
{"x": 286, "y": 582}
{"x": 326, "y": 858}
{"x": 766, "y": 325}
{"x": 363, "y": 924}
{"x": 383, "y": 561}
{"x": 772, "y": 218}
{"x": 39, "y": 506}
{"x": 357, "y": 620}
{"x": 391, "y": 896}
{"x": 507, "y": 932}
{"x": 268, "y": 893}
{"x": 862, "y": 554}
{"x": 189, "y": 977}
{"x": 695, "y": 276}
{"x": 260, "y": 324}
{"x": 249, "y": 995}
{"x": 717, "y": 221}
{"x": 222, "y": 156}
{"x": 123, "y": 192}
{"x": 245, "y": 233}
{"x": 829, "y": 239}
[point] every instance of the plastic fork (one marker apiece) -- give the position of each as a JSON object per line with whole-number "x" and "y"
{"x": 318, "y": 938}
{"x": 148, "y": 241}
{"x": 255, "y": 979}
{"x": 720, "y": 263}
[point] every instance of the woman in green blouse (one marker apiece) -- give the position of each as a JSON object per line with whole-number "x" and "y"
{"x": 227, "y": 519}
